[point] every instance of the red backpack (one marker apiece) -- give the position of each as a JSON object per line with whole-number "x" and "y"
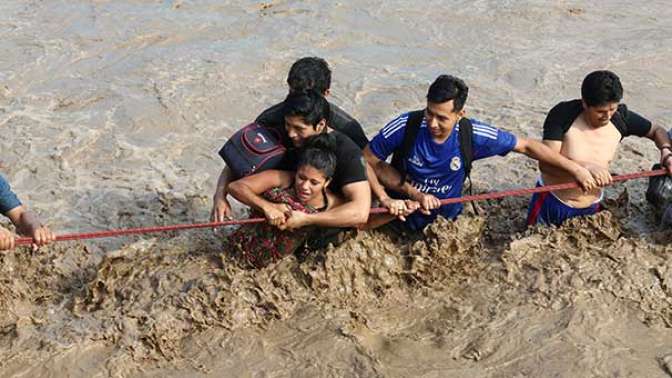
{"x": 252, "y": 149}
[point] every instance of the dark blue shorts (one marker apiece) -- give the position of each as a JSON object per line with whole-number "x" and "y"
{"x": 547, "y": 209}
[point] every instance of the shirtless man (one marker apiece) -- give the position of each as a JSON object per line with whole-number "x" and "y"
{"x": 588, "y": 131}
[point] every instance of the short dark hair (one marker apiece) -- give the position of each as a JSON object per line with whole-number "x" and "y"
{"x": 318, "y": 152}
{"x": 309, "y": 73}
{"x": 310, "y": 105}
{"x": 601, "y": 88}
{"x": 446, "y": 88}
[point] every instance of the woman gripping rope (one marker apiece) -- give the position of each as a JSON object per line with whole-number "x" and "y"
{"x": 282, "y": 195}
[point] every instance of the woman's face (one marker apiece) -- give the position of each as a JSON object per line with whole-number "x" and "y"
{"x": 309, "y": 183}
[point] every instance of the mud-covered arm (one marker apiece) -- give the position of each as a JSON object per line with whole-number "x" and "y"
{"x": 27, "y": 224}
{"x": 248, "y": 190}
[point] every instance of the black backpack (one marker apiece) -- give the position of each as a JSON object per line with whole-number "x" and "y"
{"x": 413, "y": 127}
{"x": 252, "y": 149}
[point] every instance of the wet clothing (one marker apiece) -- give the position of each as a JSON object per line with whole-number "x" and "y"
{"x": 340, "y": 121}
{"x": 350, "y": 164}
{"x": 547, "y": 209}
{"x": 8, "y": 200}
{"x": 262, "y": 243}
{"x": 437, "y": 169}
{"x": 562, "y": 116}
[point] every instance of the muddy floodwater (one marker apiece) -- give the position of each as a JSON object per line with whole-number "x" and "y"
{"x": 112, "y": 112}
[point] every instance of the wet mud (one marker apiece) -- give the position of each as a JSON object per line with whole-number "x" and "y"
{"x": 586, "y": 295}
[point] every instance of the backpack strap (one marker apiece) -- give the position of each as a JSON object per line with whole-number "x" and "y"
{"x": 618, "y": 119}
{"x": 467, "y": 152}
{"x": 413, "y": 124}
{"x": 410, "y": 133}
{"x": 466, "y": 147}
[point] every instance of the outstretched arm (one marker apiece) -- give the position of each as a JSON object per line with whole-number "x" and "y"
{"x": 600, "y": 174}
{"x": 541, "y": 152}
{"x": 391, "y": 179}
{"x": 248, "y": 190}
{"x": 27, "y": 224}
{"x": 353, "y": 212}
{"x": 662, "y": 140}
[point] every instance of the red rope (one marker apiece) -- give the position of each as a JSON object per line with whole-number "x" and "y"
{"x": 379, "y": 210}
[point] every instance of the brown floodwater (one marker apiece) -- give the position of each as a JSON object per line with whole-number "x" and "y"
{"x": 112, "y": 113}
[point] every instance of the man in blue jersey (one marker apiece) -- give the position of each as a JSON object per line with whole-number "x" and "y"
{"x": 25, "y": 221}
{"x": 433, "y": 166}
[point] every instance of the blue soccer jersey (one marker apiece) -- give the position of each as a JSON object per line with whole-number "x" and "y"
{"x": 435, "y": 168}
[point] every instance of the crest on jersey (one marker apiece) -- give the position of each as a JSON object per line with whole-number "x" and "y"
{"x": 455, "y": 163}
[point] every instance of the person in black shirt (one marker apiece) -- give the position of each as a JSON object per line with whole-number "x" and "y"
{"x": 588, "y": 131}
{"x": 305, "y": 74}
{"x": 306, "y": 116}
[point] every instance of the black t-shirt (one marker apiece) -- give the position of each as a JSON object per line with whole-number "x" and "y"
{"x": 561, "y": 117}
{"x": 350, "y": 165}
{"x": 340, "y": 121}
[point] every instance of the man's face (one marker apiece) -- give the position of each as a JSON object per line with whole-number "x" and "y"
{"x": 599, "y": 116}
{"x": 441, "y": 119}
{"x": 299, "y": 130}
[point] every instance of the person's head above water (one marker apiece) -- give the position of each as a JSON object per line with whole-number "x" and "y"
{"x": 445, "y": 105}
{"x": 601, "y": 91}
{"x": 306, "y": 114}
{"x": 316, "y": 167}
{"x": 309, "y": 73}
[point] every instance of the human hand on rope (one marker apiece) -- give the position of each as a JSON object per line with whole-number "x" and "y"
{"x": 427, "y": 202}
{"x": 7, "y": 239}
{"x": 666, "y": 159}
{"x": 295, "y": 219}
{"x": 276, "y": 213}
{"x": 41, "y": 235}
{"x": 28, "y": 224}
{"x": 221, "y": 209}
{"x": 600, "y": 174}
{"x": 585, "y": 179}
{"x": 400, "y": 208}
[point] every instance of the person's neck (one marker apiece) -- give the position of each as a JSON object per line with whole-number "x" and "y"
{"x": 586, "y": 120}
{"x": 317, "y": 202}
{"x": 443, "y": 139}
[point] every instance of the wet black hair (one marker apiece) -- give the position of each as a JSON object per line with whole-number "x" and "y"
{"x": 311, "y": 106}
{"x": 309, "y": 73}
{"x": 318, "y": 152}
{"x": 601, "y": 88}
{"x": 446, "y": 88}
